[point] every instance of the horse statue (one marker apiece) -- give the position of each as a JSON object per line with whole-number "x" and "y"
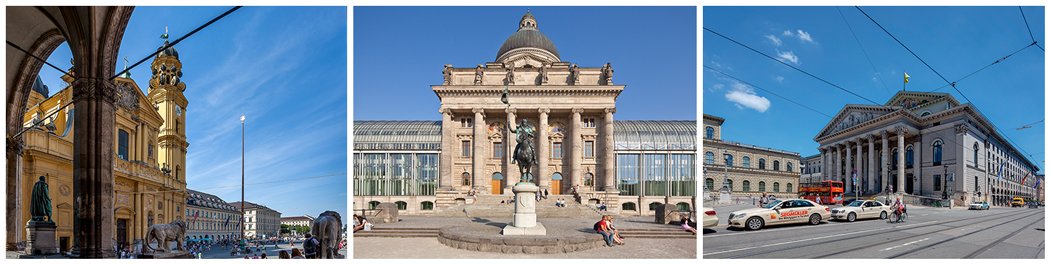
{"x": 174, "y": 231}
{"x": 525, "y": 152}
{"x": 327, "y": 228}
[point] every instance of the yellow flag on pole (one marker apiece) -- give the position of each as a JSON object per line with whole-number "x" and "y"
{"x": 906, "y": 77}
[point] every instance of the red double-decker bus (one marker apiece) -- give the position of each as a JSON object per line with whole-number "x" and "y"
{"x": 830, "y": 192}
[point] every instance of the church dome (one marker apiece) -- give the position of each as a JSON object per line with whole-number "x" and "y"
{"x": 528, "y": 36}
{"x": 168, "y": 52}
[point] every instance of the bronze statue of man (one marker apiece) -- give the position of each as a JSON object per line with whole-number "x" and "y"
{"x": 525, "y": 153}
{"x": 40, "y": 205}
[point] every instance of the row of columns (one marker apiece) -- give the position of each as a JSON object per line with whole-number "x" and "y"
{"x": 832, "y": 158}
{"x": 481, "y": 181}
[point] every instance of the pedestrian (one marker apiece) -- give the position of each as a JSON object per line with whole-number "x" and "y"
{"x": 818, "y": 199}
{"x": 545, "y": 193}
{"x": 263, "y": 256}
{"x": 283, "y": 254}
{"x": 310, "y": 246}
{"x": 602, "y": 227}
{"x": 763, "y": 200}
{"x": 296, "y": 254}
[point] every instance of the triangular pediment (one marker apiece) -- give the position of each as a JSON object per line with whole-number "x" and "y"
{"x": 905, "y": 99}
{"x": 853, "y": 115}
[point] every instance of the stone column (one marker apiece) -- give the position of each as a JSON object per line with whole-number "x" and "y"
{"x": 900, "y": 159}
{"x": 849, "y": 168}
{"x": 823, "y": 162}
{"x": 836, "y": 173}
{"x": 871, "y": 164}
{"x": 15, "y": 225}
{"x": 447, "y": 149}
{"x": 860, "y": 166}
{"x": 543, "y": 149}
{"x": 577, "y": 148}
{"x": 510, "y": 142}
{"x": 916, "y": 168}
{"x": 480, "y": 182}
{"x": 93, "y": 167}
{"x": 610, "y": 158}
{"x": 885, "y": 161}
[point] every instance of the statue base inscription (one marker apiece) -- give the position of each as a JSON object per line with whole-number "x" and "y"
{"x": 525, "y": 212}
{"x": 40, "y": 238}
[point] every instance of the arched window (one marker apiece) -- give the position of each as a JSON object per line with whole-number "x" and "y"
{"x": 895, "y": 157}
{"x": 709, "y": 184}
{"x": 588, "y": 179}
{"x": 709, "y": 133}
{"x": 761, "y": 186}
{"x": 122, "y": 144}
{"x": 789, "y": 189}
{"x": 908, "y": 156}
{"x": 556, "y": 176}
{"x": 709, "y": 158}
{"x": 747, "y": 162}
{"x": 729, "y": 160}
{"x": 654, "y": 205}
{"x": 761, "y": 163}
{"x": 776, "y": 165}
{"x": 790, "y": 167}
{"x": 937, "y": 152}
{"x": 426, "y": 205}
{"x": 976, "y": 147}
{"x": 729, "y": 183}
{"x": 371, "y": 206}
{"x": 682, "y": 206}
{"x": 747, "y": 186}
{"x": 497, "y": 176}
{"x": 466, "y": 179}
{"x": 629, "y": 206}
{"x": 776, "y": 187}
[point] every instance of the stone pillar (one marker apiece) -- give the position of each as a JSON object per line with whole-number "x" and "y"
{"x": 480, "y": 181}
{"x": 823, "y": 162}
{"x": 609, "y": 177}
{"x": 93, "y": 167}
{"x": 15, "y": 225}
{"x": 577, "y": 148}
{"x": 543, "y": 149}
{"x": 447, "y": 149}
{"x": 900, "y": 159}
{"x": 885, "y": 162}
{"x": 871, "y": 164}
{"x": 849, "y": 169}
{"x": 917, "y": 167}
{"x": 510, "y": 142}
{"x": 859, "y": 167}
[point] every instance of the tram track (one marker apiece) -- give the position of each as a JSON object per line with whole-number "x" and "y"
{"x": 821, "y": 243}
{"x": 1004, "y": 238}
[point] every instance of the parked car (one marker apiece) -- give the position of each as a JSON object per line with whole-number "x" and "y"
{"x": 979, "y": 206}
{"x": 787, "y": 211}
{"x": 1033, "y": 205}
{"x": 710, "y": 219}
{"x": 861, "y": 209}
{"x": 1017, "y": 202}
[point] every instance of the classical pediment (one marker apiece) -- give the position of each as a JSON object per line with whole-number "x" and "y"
{"x": 853, "y": 115}
{"x": 906, "y": 99}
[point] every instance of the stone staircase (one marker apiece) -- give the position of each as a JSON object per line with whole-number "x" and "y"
{"x": 398, "y": 232}
{"x": 657, "y": 233}
{"x": 491, "y": 206}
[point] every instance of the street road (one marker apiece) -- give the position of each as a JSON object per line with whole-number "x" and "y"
{"x": 1016, "y": 233}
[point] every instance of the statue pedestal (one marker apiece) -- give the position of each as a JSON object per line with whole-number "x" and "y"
{"x": 40, "y": 238}
{"x": 525, "y": 212}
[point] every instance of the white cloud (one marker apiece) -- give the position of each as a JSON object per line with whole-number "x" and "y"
{"x": 718, "y": 86}
{"x": 744, "y": 96}
{"x": 804, "y": 36}
{"x": 780, "y": 79}
{"x": 788, "y": 33}
{"x": 776, "y": 41}
{"x": 788, "y": 56}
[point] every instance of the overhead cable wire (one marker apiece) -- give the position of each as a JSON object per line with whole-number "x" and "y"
{"x": 862, "y": 49}
{"x": 902, "y": 44}
{"x": 768, "y": 91}
{"x": 997, "y": 61}
{"x": 13, "y": 45}
{"x": 173, "y": 43}
{"x": 789, "y": 65}
{"x": 1029, "y": 28}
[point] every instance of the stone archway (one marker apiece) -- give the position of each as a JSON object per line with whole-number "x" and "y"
{"x": 94, "y": 35}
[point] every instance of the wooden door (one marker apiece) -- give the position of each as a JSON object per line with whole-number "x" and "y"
{"x": 556, "y": 187}
{"x": 497, "y": 186}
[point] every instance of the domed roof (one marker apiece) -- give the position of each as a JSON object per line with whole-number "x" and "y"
{"x": 40, "y": 87}
{"x": 168, "y": 52}
{"x": 528, "y": 36}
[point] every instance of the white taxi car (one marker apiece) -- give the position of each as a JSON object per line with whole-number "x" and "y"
{"x": 787, "y": 211}
{"x": 861, "y": 209}
{"x": 710, "y": 218}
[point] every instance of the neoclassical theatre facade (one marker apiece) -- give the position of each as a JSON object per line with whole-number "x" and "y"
{"x": 924, "y": 144}
{"x": 425, "y": 166}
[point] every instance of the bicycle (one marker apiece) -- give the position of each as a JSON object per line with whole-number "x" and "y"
{"x": 896, "y": 217}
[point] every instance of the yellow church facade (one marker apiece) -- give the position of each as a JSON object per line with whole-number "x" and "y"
{"x": 149, "y": 162}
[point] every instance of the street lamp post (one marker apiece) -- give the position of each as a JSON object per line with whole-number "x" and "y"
{"x": 725, "y": 178}
{"x": 242, "y": 176}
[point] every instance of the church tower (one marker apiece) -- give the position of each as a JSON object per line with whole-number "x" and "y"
{"x": 166, "y": 93}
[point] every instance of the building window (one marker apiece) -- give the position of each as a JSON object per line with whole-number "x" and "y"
{"x": 789, "y": 187}
{"x": 729, "y": 160}
{"x": 790, "y": 167}
{"x": 466, "y": 178}
{"x": 729, "y": 183}
{"x": 149, "y": 151}
{"x": 629, "y": 206}
{"x": 709, "y": 184}
{"x": 747, "y": 162}
{"x": 588, "y": 179}
{"x": 975, "y": 149}
{"x": 556, "y": 150}
{"x": 762, "y": 186}
{"x": 122, "y": 144}
{"x": 895, "y": 158}
{"x": 776, "y": 187}
{"x": 936, "y": 182}
{"x": 466, "y": 122}
{"x": 465, "y": 149}
{"x": 747, "y": 186}
{"x": 937, "y": 152}
{"x": 761, "y": 163}
{"x": 589, "y": 122}
{"x": 654, "y": 205}
{"x": 908, "y": 152}
{"x": 709, "y": 158}
{"x": 401, "y": 205}
{"x": 588, "y": 149}
{"x": 776, "y": 165}
{"x": 709, "y": 133}
{"x": 497, "y": 150}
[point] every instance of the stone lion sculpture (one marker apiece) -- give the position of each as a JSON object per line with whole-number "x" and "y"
{"x": 327, "y": 228}
{"x": 174, "y": 231}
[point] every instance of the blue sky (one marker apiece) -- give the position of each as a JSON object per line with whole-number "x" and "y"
{"x": 399, "y": 53}
{"x": 953, "y": 40}
{"x": 285, "y": 68}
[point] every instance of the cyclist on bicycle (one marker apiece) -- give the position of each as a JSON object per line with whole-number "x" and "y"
{"x": 899, "y": 207}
